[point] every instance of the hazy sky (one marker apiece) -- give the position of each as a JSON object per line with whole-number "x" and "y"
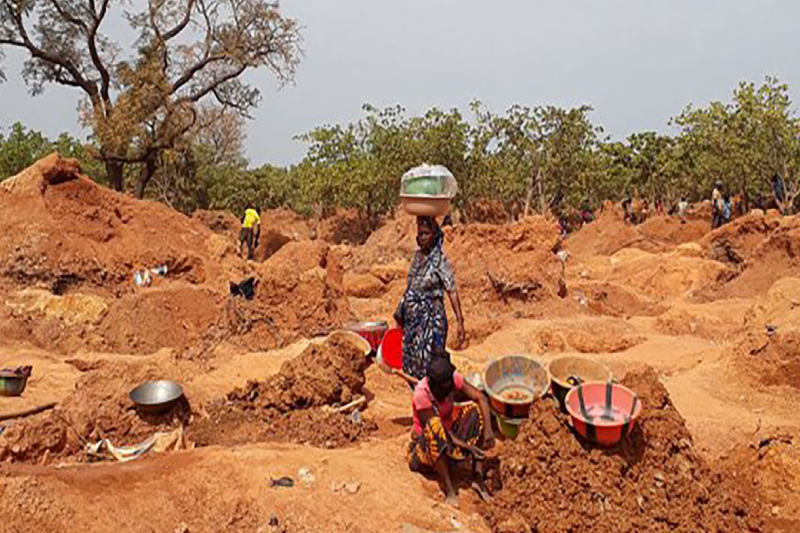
{"x": 637, "y": 62}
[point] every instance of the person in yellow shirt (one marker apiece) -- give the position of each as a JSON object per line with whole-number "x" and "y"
{"x": 251, "y": 231}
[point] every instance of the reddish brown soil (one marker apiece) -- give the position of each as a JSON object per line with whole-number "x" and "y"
{"x": 66, "y": 292}
{"x": 99, "y": 408}
{"x": 288, "y": 406}
{"x": 771, "y": 359}
{"x": 324, "y": 374}
{"x": 229, "y": 425}
{"x": 609, "y": 234}
{"x": 79, "y": 234}
{"x": 654, "y": 481}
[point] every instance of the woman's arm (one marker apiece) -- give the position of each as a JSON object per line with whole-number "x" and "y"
{"x": 426, "y": 414}
{"x": 456, "y": 302}
{"x": 480, "y": 398}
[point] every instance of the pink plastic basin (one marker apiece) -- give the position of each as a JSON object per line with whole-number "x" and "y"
{"x": 603, "y": 412}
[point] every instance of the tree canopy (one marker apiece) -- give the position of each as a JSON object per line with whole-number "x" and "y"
{"x": 142, "y": 100}
{"x": 526, "y": 159}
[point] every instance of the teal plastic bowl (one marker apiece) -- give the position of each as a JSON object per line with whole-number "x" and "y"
{"x": 424, "y": 186}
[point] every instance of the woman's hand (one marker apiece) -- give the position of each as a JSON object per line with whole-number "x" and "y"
{"x": 461, "y": 337}
{"x": 476, "y": 452}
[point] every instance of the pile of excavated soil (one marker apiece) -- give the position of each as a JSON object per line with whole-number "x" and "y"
{"x": 735, "y": 242}
{"x": 513, "y": 262}
{"x": 780, "y": 307}
{"x": 715, "y": 320}
{"x": 99, "y": 408}
{"x": 229, "y": 425}
{"x": 586, "y": 335}
{"x": 221, "y": 222}
{"x": 669, "y": 230}
{"x": 394, "y": 240}
{"x": 70, "y": 232}
{"x": 653, "y": 482}
{"x": 346, "y": 226}
{"x": 293, "y": 405}
{"x": 302, "y": 286}
{"x": 176, "y": 316}
{"x": 609, "y": 233}
{"x": 323, "y": 374}
{"x": 776, "y": 256}
{"x": 665, "y": 276}
{"x": 771, "y": 359}
{"x": 612, "y": 299}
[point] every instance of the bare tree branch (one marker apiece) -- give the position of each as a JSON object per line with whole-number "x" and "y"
{"x": 98, "y": 63}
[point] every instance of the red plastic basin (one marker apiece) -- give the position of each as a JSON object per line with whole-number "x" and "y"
{"x": 603, "y": 412}
{"x": 392, "y": 348}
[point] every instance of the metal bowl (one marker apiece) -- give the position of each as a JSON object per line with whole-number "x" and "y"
{"x": 156, "y": 395}
{"x": 12, "y": 384}
{"x": 371, "y": 331}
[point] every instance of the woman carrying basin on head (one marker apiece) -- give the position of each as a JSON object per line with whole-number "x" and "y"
{"x": 421, "y": 312}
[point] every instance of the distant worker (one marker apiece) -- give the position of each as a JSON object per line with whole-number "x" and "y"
{"x": 586, "y": 213}
{"x": 627, "y": 209}
{"x": 778, "y": 190}
{"x": 645, "y": 212}
{"x": 727, "y": 209}
{"x": 716, "y": 205}
{"x": 250, "y": 232}
{"x": 683, "y": 206}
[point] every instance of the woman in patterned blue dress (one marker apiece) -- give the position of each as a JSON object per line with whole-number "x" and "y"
{"x": 421, "y": 312}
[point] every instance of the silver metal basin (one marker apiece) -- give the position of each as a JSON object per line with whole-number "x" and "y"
{"x": 156, "y": 393}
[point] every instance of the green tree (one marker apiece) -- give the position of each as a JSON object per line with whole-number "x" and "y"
{"x": 143, "y": 99}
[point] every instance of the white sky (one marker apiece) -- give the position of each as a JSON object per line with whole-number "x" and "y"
{"x": 637, "y": 62}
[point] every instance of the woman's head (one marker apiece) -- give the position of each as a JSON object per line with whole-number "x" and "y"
{"x": 427, "y": 231}
{"x": 440, "y": 376}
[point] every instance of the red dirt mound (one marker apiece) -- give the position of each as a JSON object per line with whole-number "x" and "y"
{"x": 222, "y": 222}
{"x": 324, "y": 374}
{"x": 346, "y": 226}
{"x": 228, "y": 425}
{"x": 156, "y": 318}
{"x": 671, "y": 231}
{"x": 653, "y": 482}
{"x": 734, "y": 243}
{"x": 395, "y": 239}
{"x": 771, "y": 359}
{"x": 287, "y": 406}
{"x": 71, "y": 232}
{"x": 609, "y": 234}
{"x": 509, "y": 262}
{"x": 301, "y": 286}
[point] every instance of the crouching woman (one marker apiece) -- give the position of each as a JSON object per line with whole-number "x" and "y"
{"x": 442, "y": 438}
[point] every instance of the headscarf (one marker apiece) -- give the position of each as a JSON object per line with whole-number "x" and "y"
{"x": 438, "y": 234}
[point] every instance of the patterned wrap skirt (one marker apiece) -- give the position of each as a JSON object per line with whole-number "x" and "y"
{"x": 426, "y": 449}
